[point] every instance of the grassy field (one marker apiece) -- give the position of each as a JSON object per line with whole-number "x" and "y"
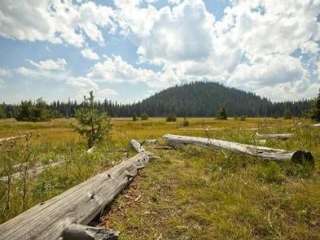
{"x": 190, "y": 193}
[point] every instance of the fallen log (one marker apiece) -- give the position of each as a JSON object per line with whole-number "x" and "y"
{"x": 281, "y": 136}
{"x": 9, "y": 139}
{"x": 257, "y": 151}
{"x": 78, "y": 232}
{"x": 316, "y": 125}
{"x": 137, "y": 146}
{"x": 32, "y": 172}
{"x": 91, "y": 150}
{"x": 79, "y": 205}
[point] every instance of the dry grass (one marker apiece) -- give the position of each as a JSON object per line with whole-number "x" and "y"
{"x": 190, "y": 193}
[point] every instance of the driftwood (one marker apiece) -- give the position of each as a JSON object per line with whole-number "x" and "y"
{"x": 32, "y": 172}
{"x": 9, "y": 139}
{"x": 257, "y": 151}
{"x": 81, "y": 204}
{"x": 281, "y": 136}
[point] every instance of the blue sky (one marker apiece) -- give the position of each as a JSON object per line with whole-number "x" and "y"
{"x": 126, "y": 50}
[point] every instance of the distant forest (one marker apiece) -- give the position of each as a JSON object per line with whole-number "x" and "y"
{"x": 199, "y": 99}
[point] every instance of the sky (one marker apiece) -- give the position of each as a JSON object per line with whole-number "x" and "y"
{"x": 127, "y": 50}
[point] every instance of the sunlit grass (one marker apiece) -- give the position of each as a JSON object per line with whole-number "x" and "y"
{"x": 190, "y": 193}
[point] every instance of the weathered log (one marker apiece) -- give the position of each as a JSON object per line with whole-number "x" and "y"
{"x": 316, "y": 125}
{"x": 137, "y": 146}
{"x": 91, "y": 150}
{"x": 82, "y": 232}
{"x": 257, "y": 151}
{"x": 150, "y": 141}
{"x": 281, "y": 136}
{"x": 8, "y": 139}
{"x": 78, "y": 205}
{"x": 32, "y": 172}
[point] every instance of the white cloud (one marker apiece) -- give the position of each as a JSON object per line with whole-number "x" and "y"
{"x": 90, "y": 54}
{"x": 4, "y": 72}
{"x": 251, "y": 47}
{"x": 105, "y": 93}
{"x": 50, "y": 64}
{"x": 54, "y": 21}
{"x": 116, "y": 70}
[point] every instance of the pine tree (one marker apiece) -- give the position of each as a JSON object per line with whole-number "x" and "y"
{"x": 316, "y": 109}
{"x": 92, "y": 124}
{"x": 222, "y": 114}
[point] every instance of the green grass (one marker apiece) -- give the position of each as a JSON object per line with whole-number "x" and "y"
{"x": 190, "y": 193}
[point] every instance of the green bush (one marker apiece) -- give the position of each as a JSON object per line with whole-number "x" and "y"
{"x": 185, "y": 122}
{"x": 171, "y": 118}
{"x": 134, "y": 118}
{"x": 144, "y": 116}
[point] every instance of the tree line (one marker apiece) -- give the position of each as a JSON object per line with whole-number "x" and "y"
{"x": 191, "y": 100}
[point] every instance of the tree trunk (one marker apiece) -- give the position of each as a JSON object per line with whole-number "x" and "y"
{"x": 78, "y": 205}
{"x": 257, "y": 151}
{"x": 281, "y": 136}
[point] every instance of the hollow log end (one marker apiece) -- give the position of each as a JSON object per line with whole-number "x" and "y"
{"x": 303, "y": 157}
{"x": 82, "y": 232}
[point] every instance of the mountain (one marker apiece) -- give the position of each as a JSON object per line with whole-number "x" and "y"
{"x": 198, "y": 99}
{"x": 206, "y": 98}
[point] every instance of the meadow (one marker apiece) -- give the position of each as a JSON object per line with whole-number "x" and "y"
{"x": 188, "y": 193}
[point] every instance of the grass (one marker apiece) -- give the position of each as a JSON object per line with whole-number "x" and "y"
{"x": 190, "y": 193}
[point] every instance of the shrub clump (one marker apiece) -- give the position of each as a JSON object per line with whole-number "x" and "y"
{"x": 144, "y": 116}
{"x": 171, "y": 118}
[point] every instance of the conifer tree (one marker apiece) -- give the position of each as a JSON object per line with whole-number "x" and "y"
{"x": 316, "y": 110}
{"x": 222, "y": 114}
{"x": 92, "y": 124}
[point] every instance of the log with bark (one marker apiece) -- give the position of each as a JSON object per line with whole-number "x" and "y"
{"x": 60, "y": 217}
{"x": 281, "y": 136}
{"x": 257, "y": 151}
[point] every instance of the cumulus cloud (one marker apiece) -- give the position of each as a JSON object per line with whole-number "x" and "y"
{"x": 115, "y": 69}
{"x": 4, "y": 72}
{"x": 90, "y": 54}
{"x": 254, "y": 46}
{"x": 50, "y": 64}
{"x": 257, "y": 45}
{"x": 54, "y": 21}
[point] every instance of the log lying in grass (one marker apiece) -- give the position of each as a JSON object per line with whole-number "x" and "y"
{"x": 281, "y": 136}
{"x": 79, "y": 232}
{"x": 137, "y": 146}
{"x": 257, "y": 151}
{"x": 316, "y": 125}
{"x": 78, "y": 205}
{"x": 8, "y": 139}
{"x": 91, "y": 150}
{"x": 32, "y": 172}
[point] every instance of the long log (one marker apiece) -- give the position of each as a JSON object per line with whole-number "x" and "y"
{"x": 316, "y": 125}
{"x": 281, "y": 136}
{"x": 257, "y": 151}
{"x": 8, "y": 139}
{"x": 32, "y": 172}
{"x": 78, "y": 205}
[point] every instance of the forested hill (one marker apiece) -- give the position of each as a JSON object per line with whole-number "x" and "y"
{"x": 206, "y": 98}
{"x": 198, "y": 99}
